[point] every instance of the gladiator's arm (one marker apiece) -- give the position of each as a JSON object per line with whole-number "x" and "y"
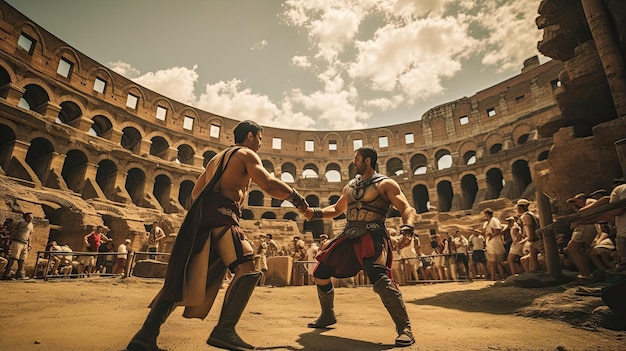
{"x": 275, "y": 187}
{"x": 397, "y": 198}
{"x": 331, "y": 211}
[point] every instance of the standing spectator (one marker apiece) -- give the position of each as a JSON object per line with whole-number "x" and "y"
{"x": 93, "y": 241}
{"x": 272, "y": 247}
{"x": 495, "y": 246}
{"x": 299, "y": 257}
{"x": 449, "y": 249}
{"x": 530, "y": 224}
{"x": 20, "y": 245}
{"x": 154, "y": 236}
{"x": 122, "y": 256}
{"x": 438, "y": 261}
{"x": 261, "y": 265}
{"x": 477, "y": 247}
{"x": 461, "y": 244}
{"x": 105, "y": 262}
{"x": 582, "y": 237}
{"x": 516, "y": 250}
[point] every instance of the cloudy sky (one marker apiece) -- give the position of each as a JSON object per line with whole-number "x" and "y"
{"x": 311, "y": 64}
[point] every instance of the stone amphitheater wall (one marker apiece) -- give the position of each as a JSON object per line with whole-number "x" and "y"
{"x": 126, "y": 167}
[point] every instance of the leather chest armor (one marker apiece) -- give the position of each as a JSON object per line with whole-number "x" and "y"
{"x": 365, "y": 202}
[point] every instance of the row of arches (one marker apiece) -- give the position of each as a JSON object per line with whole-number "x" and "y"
{"x": 40, "y": 154}
{"x": 161, "y": 145}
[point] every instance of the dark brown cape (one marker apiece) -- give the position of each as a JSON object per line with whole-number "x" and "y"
{"x": 192, "y": 239}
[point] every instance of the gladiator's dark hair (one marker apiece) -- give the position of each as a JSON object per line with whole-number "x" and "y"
{"x": 242, "y": 129}
{"x": 368, "y": 152}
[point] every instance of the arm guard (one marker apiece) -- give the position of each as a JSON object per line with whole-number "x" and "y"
{"x": 297, "y": 200}
{"x": 317, "y": 212}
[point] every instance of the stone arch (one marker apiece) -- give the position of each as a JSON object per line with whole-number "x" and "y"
{"x": 291, "y": 216}
{"x": 70, "y": 113}
{"x": 247, "y": 214}
{"x": 106, "y": 176}
{"x": 269, "y": 215}
{"x": 162, "y": 191}
{"x": 469, "y": 189}
{"x": 71, "y": 55}
{"x": 255, "y": 198}
{"x": 443, "y": 159}
{"x": 494, "y": 143}
{"x": 494, "y": 183}
{"x": 333, "y": 173}
{"x": 74, "y": 170}
{"x": 313, "y": 200}
{"x": 105, "y": 74}
{"x": 35, "y": 98}
{"x": 7, "y": 143}
{"x": 135, "y": 185}
{"x": 445, "y": 194}
{"x": 131, "y": 139}
{"x": 39, "y": 157}
{"x": 420, "y": 198}
{"x": 268, "y": 165}
{"x": 207, "y": 156}
{"x": 159, "y": 147}
{"x": 521, "y": 178}
{"x": 136, "y": 90}
{"x": 6, "y": 78}
{"x": 543, "y": 155}
{"x": 184, "y": 193}
{"x": 288, "y": 168}
{"x": 355, "y": 135}
{"x": 394, "y": 167}
{"x": 33, "y": 31}
{"x": 101, "y": 126}
{"x": 521, "y": 133}
{"x": 469, "y": 158}
{"x": 310, "y": 170}
{"x": 185, "y": 154}
{"x": 419, "y": 164}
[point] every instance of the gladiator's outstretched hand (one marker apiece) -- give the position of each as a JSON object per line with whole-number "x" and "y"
{"x": 297, "y": 200}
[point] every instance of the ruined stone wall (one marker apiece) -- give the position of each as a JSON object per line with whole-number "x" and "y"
{"x": 85, "y": 156}
{"x": 583, "y": 157}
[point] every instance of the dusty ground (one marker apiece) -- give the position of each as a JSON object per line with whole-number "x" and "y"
{"x": 103, "y": 313}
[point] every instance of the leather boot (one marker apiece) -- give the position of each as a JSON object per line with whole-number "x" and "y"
{"x": 392, "y": 299}
{"x": 328, "y": 314}
{"x": 224, "y": 335}
{"x": 145, "y": 339}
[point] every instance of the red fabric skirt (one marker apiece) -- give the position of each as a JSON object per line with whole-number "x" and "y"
{"x": 346, "y": 255}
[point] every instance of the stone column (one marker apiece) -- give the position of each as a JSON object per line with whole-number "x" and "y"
{"x": 115, "y": 136}
{"x": 611, "y": 56}
{"x": 49, "y": 110}
{"x": 197, "y": 161}
{"x": 13, "y": 93}
{"x": 82, "y": 123}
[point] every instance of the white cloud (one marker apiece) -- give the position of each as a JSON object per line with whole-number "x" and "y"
{"x": 300, "y": 61}
{"x": 176, "y": 83}
{"x": 333, "y": 110}
{"x": 259, "y": 45}
{"x": 513, "y": 34}
{"x": 413, "y": 57}
{"x": 229, "y": 99}
{"x": 124, "y": 69}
